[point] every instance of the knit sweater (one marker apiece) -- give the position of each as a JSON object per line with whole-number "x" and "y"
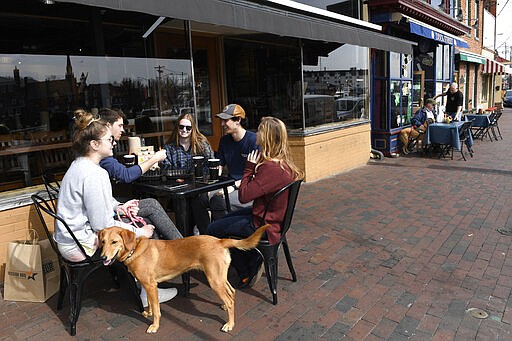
{"x": 86, "y": 203}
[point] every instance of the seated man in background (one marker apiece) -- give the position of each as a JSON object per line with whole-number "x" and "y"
{"x": 114, "y": 119}
{"x": 420, "y": 122}
{"x": 234, "y": 147}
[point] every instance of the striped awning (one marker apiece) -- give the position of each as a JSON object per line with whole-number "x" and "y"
{"x": 492, "y": 66}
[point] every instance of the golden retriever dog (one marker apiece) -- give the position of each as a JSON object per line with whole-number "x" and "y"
{"x": 154, "y": 261}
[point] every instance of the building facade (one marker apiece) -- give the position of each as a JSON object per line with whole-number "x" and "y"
{"x": 401, "y": 82}
{"x": 455, "y": 43}
{"x": 303, "y": 64}
{"x": 155, "y": 59}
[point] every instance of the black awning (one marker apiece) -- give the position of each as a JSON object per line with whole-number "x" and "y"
{"x": 259, "y": 18}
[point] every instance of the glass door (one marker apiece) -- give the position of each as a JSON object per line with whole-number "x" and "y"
{"x": 418, "y": 89}
{"x": 206, "y": 76}
{"x": 179, "y": 99}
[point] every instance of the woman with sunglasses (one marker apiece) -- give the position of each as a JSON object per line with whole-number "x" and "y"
{"x": 185, "y": 142}
{"x": 86, "y": 202}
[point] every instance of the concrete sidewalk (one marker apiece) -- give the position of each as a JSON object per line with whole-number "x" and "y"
{"x": 398, "y": 249}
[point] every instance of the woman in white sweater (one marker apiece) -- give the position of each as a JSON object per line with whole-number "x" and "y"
{"x": 85, "y": 197}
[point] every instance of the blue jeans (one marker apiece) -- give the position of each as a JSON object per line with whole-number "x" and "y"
{"x": 237, "y": 224}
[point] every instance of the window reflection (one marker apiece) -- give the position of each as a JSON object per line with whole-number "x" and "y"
{"x": 44, "y": 90}
{"x": 334, "y": 92}
{"x": 263, "y": 76}
{"x": 83, "y": 58}
{"x": 335, "y": 83}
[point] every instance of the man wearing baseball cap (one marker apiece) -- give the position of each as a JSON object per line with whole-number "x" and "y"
{"x": 234, "y": 147}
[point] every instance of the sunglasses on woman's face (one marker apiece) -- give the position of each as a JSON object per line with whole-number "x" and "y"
{"x": 183, "y": 127}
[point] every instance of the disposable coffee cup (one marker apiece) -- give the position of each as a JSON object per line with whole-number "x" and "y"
{"x": 198, "y": 166}
{"x": 213, "y": 168}
{"x": 129, "y": 160}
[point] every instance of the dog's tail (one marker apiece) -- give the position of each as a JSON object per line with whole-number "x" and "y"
{"x": 248, "y": 243}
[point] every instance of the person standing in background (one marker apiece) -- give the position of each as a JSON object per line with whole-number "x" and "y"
{"x": 454, "y": 101}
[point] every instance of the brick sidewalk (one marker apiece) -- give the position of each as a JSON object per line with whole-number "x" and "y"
{"x": 398, "y": 249}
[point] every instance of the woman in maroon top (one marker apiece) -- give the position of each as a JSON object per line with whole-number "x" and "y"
{"x": 266, "y": 172}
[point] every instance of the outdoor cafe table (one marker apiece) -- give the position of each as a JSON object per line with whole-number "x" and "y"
{"x": 181, "y": 193}
{"x": 480, "y": 124}
{"x": 479, "y": 120}
{"x": 445, "y": 134}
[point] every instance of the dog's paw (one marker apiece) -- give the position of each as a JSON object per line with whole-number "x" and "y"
{"x": 147, "y": 313}
{"x": 227, "y": 327}
{"x": 152, "y": 329}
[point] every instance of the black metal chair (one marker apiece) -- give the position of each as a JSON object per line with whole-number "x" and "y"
{"x": 52, "y": 186}
{"x": 269, "y": 251}
{"x": 487, "y": 130}
{"x": 74, "y": 274}
{"x": 464, "y": 137}
{"x": 494, "y": 124}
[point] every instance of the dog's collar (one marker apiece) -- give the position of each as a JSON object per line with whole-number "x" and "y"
{"x": 132, "y": 251}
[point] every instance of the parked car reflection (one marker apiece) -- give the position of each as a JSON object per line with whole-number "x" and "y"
{"x": 349, "y": 107}
{"x": 318, "y": 109}
{"x": 149, "y": 119}
{"x": 507, "y": 101}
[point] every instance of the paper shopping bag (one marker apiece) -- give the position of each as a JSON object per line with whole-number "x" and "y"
{"x": 32, "y": 271}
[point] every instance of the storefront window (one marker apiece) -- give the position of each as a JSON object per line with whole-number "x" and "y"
{"x": 443, "y": 62}
{"x": 439, "y": 62}
{"x": 401, "y": 103}
{"x": 336, "y": 76}
{"x": 58, "y": 59}
{"x": 400, "y": 89}
{"x": 447, "y": 62}
{"x": 430, "y": 91}
{"x": 264, "y": 77}
{"x": 394, "y": 65}
{"x": 476, "y": 81}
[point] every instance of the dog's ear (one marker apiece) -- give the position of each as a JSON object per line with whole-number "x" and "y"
{"x": 100, "y": 238}
{"x": 128, "y": 238}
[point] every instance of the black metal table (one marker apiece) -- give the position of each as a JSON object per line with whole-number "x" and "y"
{"x": 181, "y": 193}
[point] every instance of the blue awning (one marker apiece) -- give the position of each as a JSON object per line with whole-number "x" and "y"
{"x": 437, "y": 35}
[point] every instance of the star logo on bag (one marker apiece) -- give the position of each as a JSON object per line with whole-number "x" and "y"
{"x": 31, "y": 275}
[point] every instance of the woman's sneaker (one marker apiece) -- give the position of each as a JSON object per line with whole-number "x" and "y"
{"x": 164, "y": 295}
